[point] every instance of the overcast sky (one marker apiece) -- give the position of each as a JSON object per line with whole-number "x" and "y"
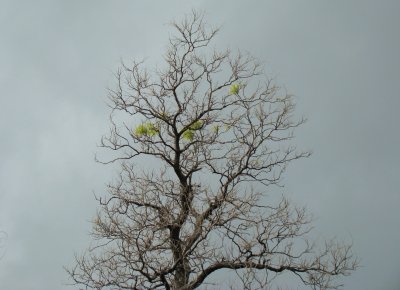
{"x": 339, "y": 58}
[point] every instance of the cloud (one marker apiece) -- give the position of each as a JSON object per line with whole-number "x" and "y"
{"x": 56, "y": 59}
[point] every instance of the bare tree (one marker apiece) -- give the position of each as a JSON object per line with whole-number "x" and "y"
{"x": 212, "y": 136}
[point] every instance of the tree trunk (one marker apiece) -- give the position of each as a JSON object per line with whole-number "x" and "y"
{"x": 181, "y": 279}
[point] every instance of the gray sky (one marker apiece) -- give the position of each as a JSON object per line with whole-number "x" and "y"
{"x": 339, "y": 58}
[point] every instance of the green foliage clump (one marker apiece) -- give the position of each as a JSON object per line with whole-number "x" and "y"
{"x": 196, "y": 125}
{"x": 234, "y": 90}
{"x": 146, "y": 129}
{"x": 227, "y": 127}
{"x": 215, "y": 129}
{"x": 189, "y": 133}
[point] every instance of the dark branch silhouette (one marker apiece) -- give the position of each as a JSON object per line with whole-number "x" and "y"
{"x": 200, "y": 142}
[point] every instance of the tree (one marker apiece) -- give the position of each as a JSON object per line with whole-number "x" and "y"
{"x": 200, "y": 142}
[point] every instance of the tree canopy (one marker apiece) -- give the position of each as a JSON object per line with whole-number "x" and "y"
{"x": 216, "y": 136}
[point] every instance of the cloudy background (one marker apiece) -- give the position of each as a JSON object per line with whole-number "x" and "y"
{"x": 339, "y": 58}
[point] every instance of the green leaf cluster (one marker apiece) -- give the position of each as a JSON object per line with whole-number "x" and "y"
{"x": 196, "y": 125}
{"x": 234, "y": 90}
{"x": 215, "y": 129}
{"x": 189, "y": 133}
{"x": 146, "y": 129}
